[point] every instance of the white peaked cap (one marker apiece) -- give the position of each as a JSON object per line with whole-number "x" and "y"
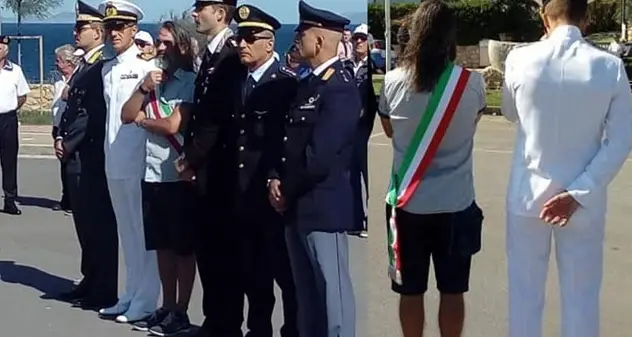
{"x": 120, "y": 10}
{"x": 144, "y": 36}
{"x": 361, "y": 29}
{"x": 541, "y": 2}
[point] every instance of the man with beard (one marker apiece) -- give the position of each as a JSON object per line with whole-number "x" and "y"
{"x": 256, "y": 139}
{"x": 161, "y": 105}
{"x": 312, "y": 186}
{"x": 124, "y": 162}
{"x": 79, "y": 145}
{"x": 205, "y": 160}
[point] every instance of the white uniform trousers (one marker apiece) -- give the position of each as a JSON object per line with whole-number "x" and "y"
{"x": 142, "y": 283}
{"x": 579, "y": 255}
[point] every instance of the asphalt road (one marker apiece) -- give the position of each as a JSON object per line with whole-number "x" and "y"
{"x": 38, "y": 253}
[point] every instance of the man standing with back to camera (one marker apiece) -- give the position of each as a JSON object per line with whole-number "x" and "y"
{"x": 312, "y": 186}
{"x": 572, "y": 104}
{"x": 256, "y": 137}
{"x": 125, "y": 164}
{"x": 79, "y": 144}
{"x": 205, "y": 161}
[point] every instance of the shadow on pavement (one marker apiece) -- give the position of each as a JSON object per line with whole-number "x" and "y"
{"x": 49, "y": 285}
{"x": 37, "y": 202}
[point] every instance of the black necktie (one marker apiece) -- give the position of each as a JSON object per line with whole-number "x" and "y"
{"x": 249, "y": 85}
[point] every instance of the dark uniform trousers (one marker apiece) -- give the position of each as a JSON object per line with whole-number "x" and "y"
{"x": 83, "y": 135}
{"x": 218, "y": 247}
{"x": 9, "y": 154}
{"x": 65, "y": 201}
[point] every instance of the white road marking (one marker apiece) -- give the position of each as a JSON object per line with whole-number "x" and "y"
{"x": 35, "y": 133}
{"x": 35, "y": 156}
{"x": 38, "y": 145}
{"x": 27, "y": 139}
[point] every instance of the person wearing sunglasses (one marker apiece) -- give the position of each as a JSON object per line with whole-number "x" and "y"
{"x": 79, "y": 144}
{"x": 261, "y": 120}
{"x": 311, "y": 186}
{"x": 124, "y": 164}
{"x": 145, "y": 42}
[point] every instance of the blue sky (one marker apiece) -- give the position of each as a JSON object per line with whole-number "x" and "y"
{"x": 285, "y": 11}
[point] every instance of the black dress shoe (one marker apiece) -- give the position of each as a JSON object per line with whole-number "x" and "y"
{"x": 87, "y": 303}
{"x": 73, "y": 295}
{"x": 11, "y": 208}
{"x": 57, "y": 207}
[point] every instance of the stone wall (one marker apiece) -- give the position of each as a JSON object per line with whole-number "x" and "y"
{"x": 40, "y": 98}
{"x": 469, "y": 56}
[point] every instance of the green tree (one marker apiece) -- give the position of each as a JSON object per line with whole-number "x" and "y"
{"x": 29, "y": 8}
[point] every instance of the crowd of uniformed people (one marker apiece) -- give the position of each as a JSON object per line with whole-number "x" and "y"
{"x": 225, "y": 161}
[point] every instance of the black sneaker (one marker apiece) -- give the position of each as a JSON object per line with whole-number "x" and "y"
{"x": 175, "y": 323}
{"x": 156, "y": 318}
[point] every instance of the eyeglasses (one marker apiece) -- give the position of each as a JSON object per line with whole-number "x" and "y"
{"x": 250, "y": 39}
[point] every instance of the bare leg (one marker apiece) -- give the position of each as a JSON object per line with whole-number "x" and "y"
{"x": 411, "y": 315}
{"x": 186, "y": 277}
{"x": 451, "y": 315}
{"x": 168, "y": 277}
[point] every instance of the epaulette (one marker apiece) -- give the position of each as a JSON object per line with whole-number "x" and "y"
{"x": 328, "y": 74}
{"x": 145, "y": 57}
{"x": 287, "y": 71}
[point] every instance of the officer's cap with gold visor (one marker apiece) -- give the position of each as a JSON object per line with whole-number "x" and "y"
{"x": 120, "y": 11}
{"x": 87, "y": 14}
{"x": 252, "y": 19}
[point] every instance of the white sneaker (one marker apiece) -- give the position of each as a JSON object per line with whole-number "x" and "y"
{"x": 131, "y": 317}
{"x": 118, "y": 309}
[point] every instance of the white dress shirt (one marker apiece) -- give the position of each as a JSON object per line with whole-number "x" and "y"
{"x": 325, "y": 65}
{"x": 59, "y": 105}
{"x": 124, "y": 144}
{"x": 256, "y": 75}
{"x": 573, "y": 109}
{"x": 219, "y": 39}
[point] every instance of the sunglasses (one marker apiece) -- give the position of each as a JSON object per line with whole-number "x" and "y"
{"x": 142, "y": 43}
{"x": 250, "y": 39}
{"x": 360, "y": 37}
{"x": 81, "y": 28}
{"x": 117, "y": 26}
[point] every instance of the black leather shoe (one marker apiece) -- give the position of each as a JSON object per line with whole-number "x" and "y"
{"x": 90, "y": 304}
{"x": 11, "y": 208}
{"x": 73, "y": 295}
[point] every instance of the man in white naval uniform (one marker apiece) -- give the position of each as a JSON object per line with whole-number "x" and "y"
{"x": 572, "y": 106}
{"x": 124, "y": 162}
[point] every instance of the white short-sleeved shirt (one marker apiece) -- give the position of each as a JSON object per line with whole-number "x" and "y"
{"x": 161, "y": 155}
{"x": 12, "y": 85}
{"x": 448, "y": 184}
{"x": 124, "y": 144}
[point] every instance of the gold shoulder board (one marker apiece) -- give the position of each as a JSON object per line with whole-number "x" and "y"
{"x": 328, "y": 74}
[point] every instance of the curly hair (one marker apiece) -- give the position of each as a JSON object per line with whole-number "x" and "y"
{"x": 432, "y": 44}
{"x": 183, "y": 40}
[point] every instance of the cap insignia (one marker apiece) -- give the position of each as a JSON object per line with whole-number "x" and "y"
{"x": 111, "y": 11}
{"x": 244, "y": 12}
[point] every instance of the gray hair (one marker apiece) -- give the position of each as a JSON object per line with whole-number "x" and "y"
{"x": 66, "y": 52}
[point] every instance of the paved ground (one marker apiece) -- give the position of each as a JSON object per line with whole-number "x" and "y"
{"x": 38, "y": 253}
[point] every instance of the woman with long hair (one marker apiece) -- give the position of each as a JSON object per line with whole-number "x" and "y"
{"x": 429, "y": 106}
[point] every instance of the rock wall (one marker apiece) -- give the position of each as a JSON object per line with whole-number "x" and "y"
{"x": 469, "y": 56}
{"x": 40, "y": 98}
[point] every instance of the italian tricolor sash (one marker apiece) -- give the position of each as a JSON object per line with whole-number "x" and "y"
{"x": 421, "y": 150}
{"x": 159, "y": 109}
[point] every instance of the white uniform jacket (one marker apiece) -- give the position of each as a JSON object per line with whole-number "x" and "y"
{"x": 124, "y": 144}
{"x": 572, "y": 105}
